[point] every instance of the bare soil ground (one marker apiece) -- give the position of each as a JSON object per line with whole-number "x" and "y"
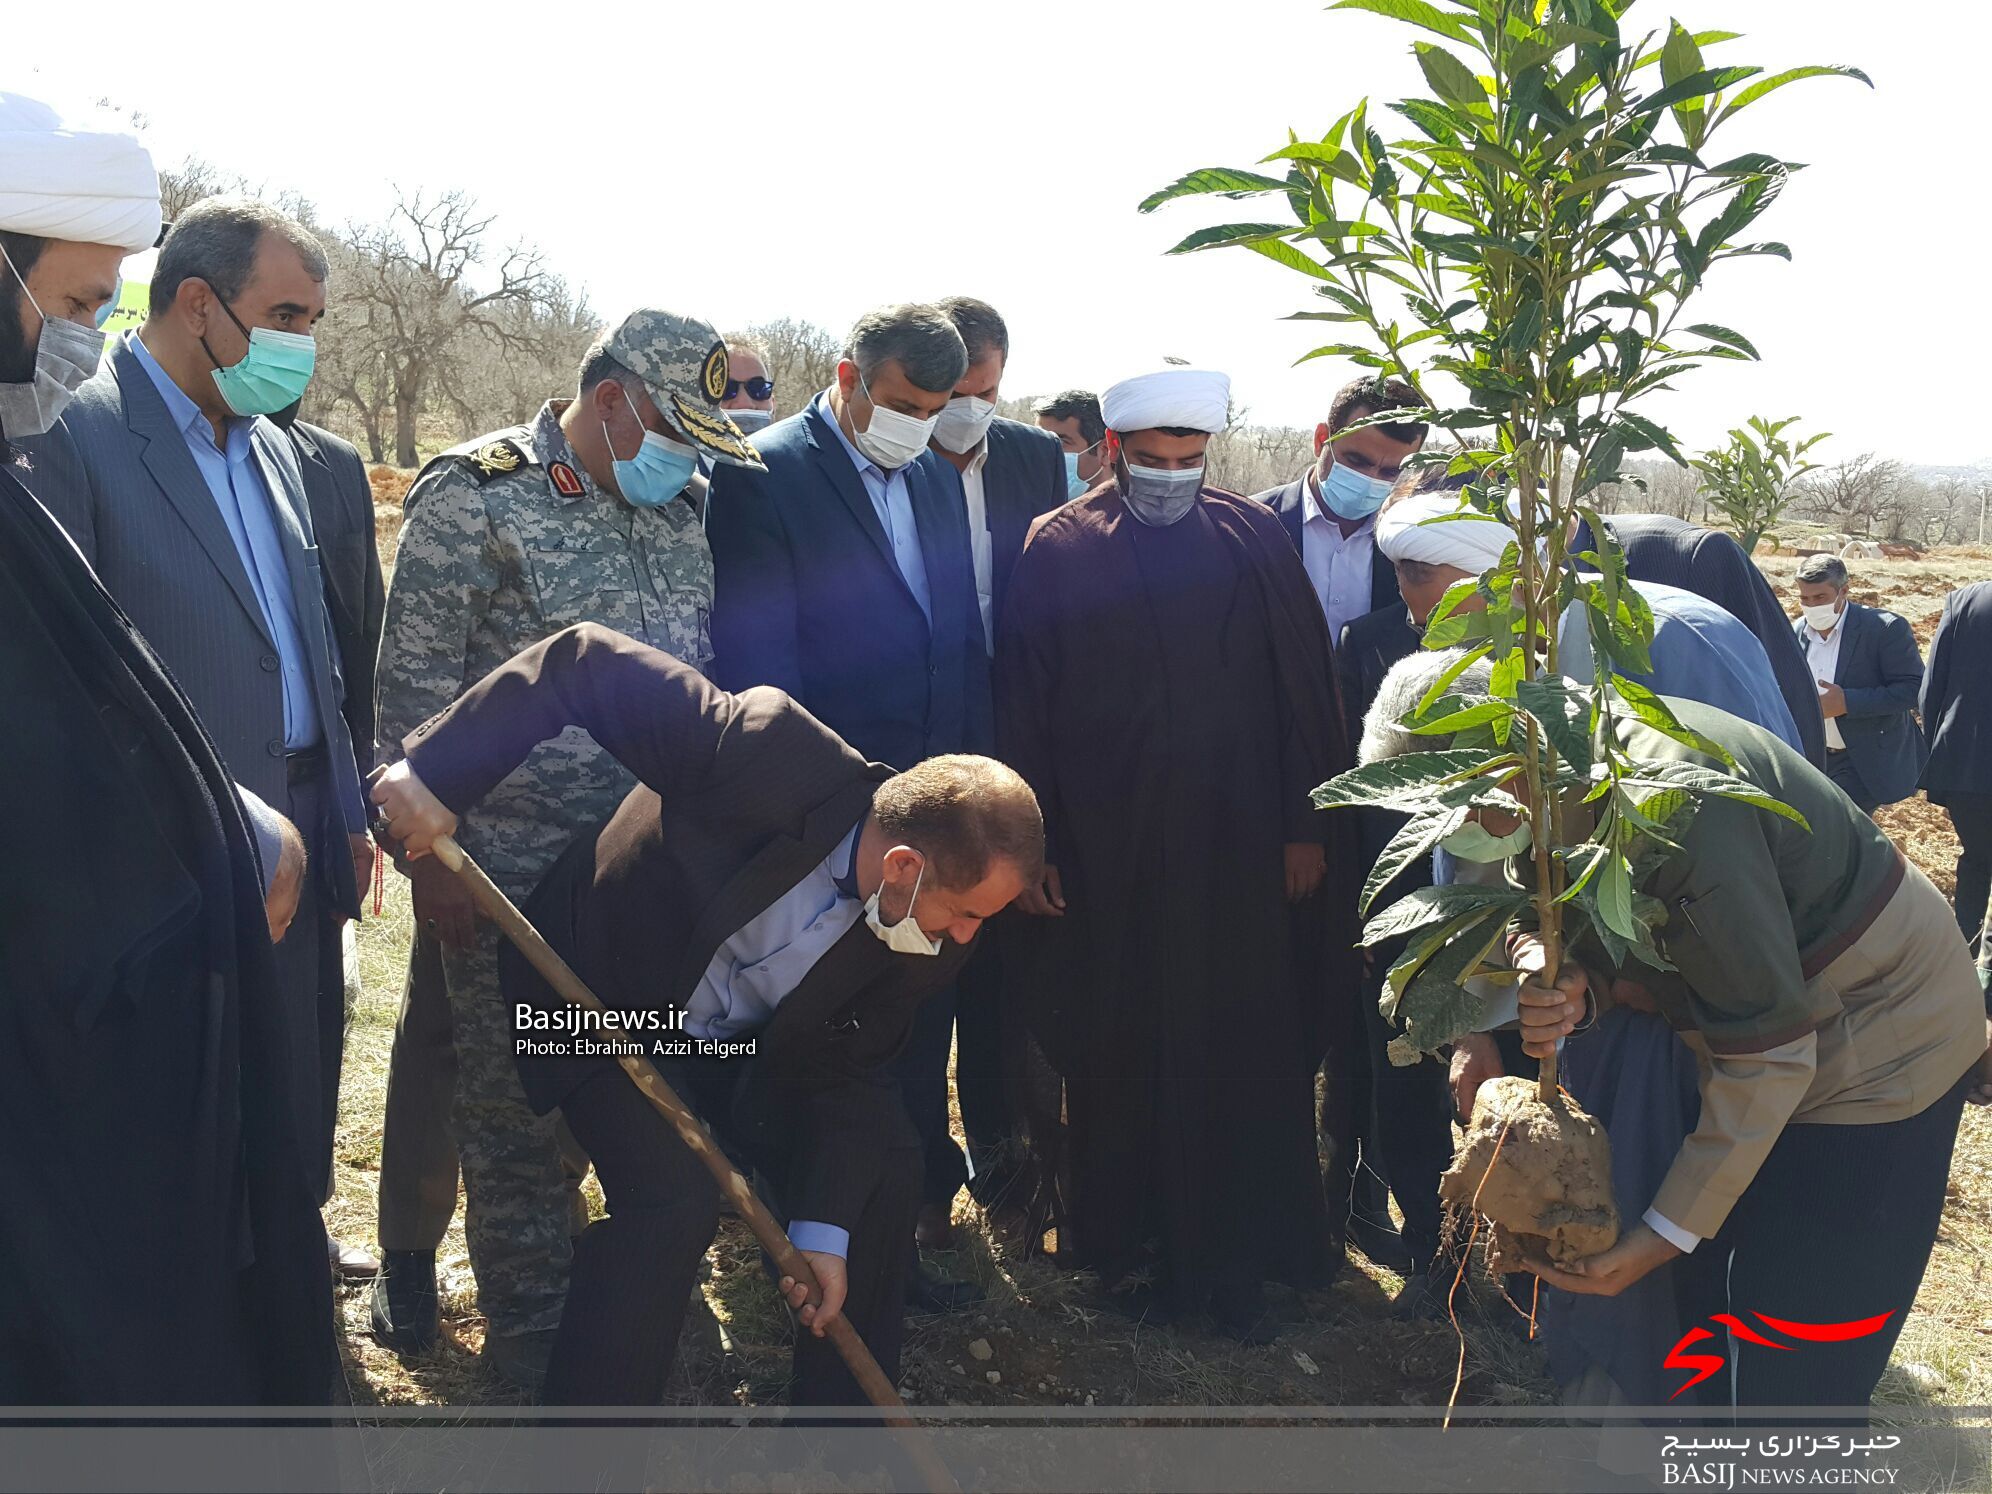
{"x": 1047, "y": 1343}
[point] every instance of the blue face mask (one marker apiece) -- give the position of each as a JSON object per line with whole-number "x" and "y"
{"x": 659, "y": 470}
{"x": 1074, "y": 483}
{"x": 271, "y": 375}
{"x": 1348, "y": 493}
{"x": 110, "y": 308}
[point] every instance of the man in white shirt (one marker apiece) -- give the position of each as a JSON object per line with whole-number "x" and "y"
{"x": 1869, "y": 673}
{"x": 1330, "y": 510}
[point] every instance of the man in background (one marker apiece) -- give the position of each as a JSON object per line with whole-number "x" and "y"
{"x": 1956, "y": 707}
{"x": 1165, "y": 686}
{"x": 1868, "y": 673}
{"x": 1007, "y": 474}
{"x": 191, "y": 507}
{"x": 1329, "y": 511}
{"x": 583, "y": 515}
{"x": 749, "y": 400}
{"x": 1074, "y": 417}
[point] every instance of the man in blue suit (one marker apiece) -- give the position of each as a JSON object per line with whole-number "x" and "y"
{"x": 842, "y": 575}
{"x": 191, "y": 507}
{"x": 1869, "y": 675}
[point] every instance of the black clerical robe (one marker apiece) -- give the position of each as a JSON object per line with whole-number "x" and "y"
{"x": 158, "y": 1245}
{"x": 1168, "y": 694}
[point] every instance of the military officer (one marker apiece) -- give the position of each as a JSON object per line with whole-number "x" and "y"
{"x": 590, "y": 513}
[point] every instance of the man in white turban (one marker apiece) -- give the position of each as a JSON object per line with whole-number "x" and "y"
{"x": 1163, "y": 682}
{"x": 161, "y": 1247}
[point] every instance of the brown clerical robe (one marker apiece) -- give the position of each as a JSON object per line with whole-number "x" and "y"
{"x": 1168, "y": 694}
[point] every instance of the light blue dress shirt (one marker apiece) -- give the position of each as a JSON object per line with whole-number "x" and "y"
{"x": 892, "y": 501}
{"x": 236, "y": 482}
{"x": 756, "y": 970}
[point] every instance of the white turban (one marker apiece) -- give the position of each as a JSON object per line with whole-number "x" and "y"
{"x": 1473, "y": 544}
{"x": 83, "y": 186}
{"x": 1197, "y": 399}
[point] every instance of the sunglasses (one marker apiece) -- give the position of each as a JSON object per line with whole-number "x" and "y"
{"x": 756, "y": 388}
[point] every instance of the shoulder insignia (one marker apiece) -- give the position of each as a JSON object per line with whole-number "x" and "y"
{"x": 495, "y": 459}
{"x": 566, "y": 481}
{"x": 712, "y": 376}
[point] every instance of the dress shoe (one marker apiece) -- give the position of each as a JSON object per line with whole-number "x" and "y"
{"x": 928, "y": 1291}
{"x": 404, "y": 1300}
{"x": 520, "y": 1359}
{"x": 934, "y": 1229}
{"x": 1422, "y": 1299}
{"x": 1383, "y": 1245}
{"x": 349, "y": 1262}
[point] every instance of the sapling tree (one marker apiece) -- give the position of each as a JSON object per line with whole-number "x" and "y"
{"x": 1534, "y": 236}
{"x": 1752, "y": 477}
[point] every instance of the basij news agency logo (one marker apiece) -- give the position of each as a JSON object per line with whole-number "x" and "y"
{"x": 1802, "y": 1334}
{"x": 1799, "y": 1460}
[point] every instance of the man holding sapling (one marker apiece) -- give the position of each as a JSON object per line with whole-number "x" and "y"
{"x": 1838, "y": 1026}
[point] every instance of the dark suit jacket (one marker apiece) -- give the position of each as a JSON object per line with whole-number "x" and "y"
{"x": 808, "y": 598}
{"x": 1956, "y": 702}
{"x": 1880, "y": 672}
{"x": 1364, "y": 654}
{"x": 342, "y": 515}
{"x": 1289, "y": 503}
{"x": 117, "y": 474}
{"x": 1711, "y": 564}
{"x": 739, "y": 798}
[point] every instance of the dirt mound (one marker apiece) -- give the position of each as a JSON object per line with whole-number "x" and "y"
{"x": 1542, "y": 1174}
{"x": 390, "y": 484}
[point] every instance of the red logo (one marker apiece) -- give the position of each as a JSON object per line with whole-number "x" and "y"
{"x": 565, "y": 480}
{"x": 1807, "y": 1333}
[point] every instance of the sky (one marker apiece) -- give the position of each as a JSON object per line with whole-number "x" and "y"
{"x": 813, "y": 160}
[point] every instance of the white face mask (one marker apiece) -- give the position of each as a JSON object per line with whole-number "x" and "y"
{"x": 1473, "y": 841}
{"x": 892, "y": 439}
{"x": 1159, "y": 496}
{"x": 961, "y": 426}
{"x": 1821, "y": 619}
{"x": 66, "y": 354}
{"x": 749, "y": 421}
{"x": 905, "y": 936}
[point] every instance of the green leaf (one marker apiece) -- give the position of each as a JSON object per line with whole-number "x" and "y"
{"x": 1776, "y": 81}
{"x": 1696, "y": 86}
{"x": 1700, "y": 780}
{"x": 1406, "y": 782}
{"x": 1451, "y": 79}
{"x": 1464, "y": 714}
{"x": 1219, "y": 235}
{"x": 1282, "y": 253}
{"x": 1416, "y": 12}
{"x": 1453, "y": 671}
{"x": 1656, "y": 713}
{"x": 1437, "y": 1007}
{"x": 1564, "y": 713}
{"x": 1727, "y": 336}
{"x": 1429, "y": 905}
{"x": 1414, "y": 838}
{"x": 1615, "y": 896}
{"x": 1215, "y": 179}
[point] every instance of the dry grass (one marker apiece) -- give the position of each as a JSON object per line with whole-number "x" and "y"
{"x": 1052, "y": 1344}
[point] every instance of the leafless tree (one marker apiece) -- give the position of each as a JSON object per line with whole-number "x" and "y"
{"x": 801, "y": 358}
{"x": 1866, "y": 494}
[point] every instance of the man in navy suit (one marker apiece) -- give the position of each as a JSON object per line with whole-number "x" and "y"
{"x": 842, "y": 575}
{"x": 1329, "y": 511}
{"x": 1869, "y": 675}
{"x": 1956, "y": 707}
{"x": 1004, "y": 474}
{"x": 191, "y": 507}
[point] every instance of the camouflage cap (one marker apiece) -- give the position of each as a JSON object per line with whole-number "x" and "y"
{"x": 682, "y": 361}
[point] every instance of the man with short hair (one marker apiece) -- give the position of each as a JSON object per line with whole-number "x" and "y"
{"x": 764, "y": 885}
{"x": 842, "y": 572}
{"x": 161, "y": 1245}
{"x": 1165, "y": 685}
{"x": 190, "y": 505}
{"x": 1329, "y": 511}
{"x": 1007, "y": 473}
{"x": 1956, "y": 707}
{"x": 587, "y": 514}
{"x": 1869, "y": 673}
{"x": 749, "y": 401}
{"x": 1074, "y": 417}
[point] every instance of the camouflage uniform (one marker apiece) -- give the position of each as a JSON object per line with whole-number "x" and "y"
{"x": 508, "y": 540}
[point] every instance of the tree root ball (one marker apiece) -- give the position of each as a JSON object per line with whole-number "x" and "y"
{"x": 1549, "y": 1191}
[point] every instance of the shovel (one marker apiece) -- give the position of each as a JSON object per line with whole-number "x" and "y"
{"x": 692, "y": 1131}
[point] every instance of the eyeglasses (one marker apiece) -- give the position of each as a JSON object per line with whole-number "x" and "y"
{"x": 756, "y": 388}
